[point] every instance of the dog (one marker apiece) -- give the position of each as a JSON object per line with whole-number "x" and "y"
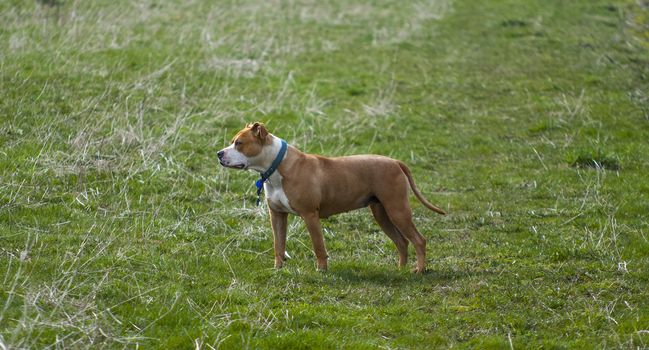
{"x": 315, "y": 187}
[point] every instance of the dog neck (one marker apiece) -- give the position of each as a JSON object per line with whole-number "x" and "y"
{"x": 261, "y": 162}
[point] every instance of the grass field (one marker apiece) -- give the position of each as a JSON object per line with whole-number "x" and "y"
{"x": 528, "y": 121}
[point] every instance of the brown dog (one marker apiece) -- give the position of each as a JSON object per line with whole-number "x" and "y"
{"x": 315, "y": 187}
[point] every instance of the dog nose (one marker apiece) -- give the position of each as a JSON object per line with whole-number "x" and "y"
{"x": 220, "y": 154}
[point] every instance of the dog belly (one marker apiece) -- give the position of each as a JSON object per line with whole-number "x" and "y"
{"x": 329, "y": 209}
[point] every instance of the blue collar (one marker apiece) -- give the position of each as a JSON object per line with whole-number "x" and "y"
{"x": 267, "y": 174}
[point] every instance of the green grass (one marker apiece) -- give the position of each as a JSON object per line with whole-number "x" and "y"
{"x": 119, "y": 229}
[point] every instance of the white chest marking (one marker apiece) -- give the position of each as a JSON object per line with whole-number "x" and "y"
{"x": 277, "y": 199}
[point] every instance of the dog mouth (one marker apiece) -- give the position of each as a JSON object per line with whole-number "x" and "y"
{"x": 233, "y": 166}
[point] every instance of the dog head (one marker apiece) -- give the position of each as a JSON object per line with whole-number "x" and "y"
{"x": 246, "y": 146}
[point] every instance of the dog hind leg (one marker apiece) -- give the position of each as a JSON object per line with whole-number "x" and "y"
{"x": 381, "y": 217}
{"x": 400, "y": 215}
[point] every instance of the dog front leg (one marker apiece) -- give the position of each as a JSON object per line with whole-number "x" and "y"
{"x": 279, "y": 222}
{"x": 312, "y": 221}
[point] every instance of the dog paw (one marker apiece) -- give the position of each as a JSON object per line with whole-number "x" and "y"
{"x": 419, "y": 270}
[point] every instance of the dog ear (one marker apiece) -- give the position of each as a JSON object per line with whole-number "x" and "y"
{"x": 259, "y": 130}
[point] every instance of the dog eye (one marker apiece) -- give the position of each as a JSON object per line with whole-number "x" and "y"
{"x": 237, "y": 143}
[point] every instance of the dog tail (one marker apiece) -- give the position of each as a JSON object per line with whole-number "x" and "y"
{"x": 418, "y": 194}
